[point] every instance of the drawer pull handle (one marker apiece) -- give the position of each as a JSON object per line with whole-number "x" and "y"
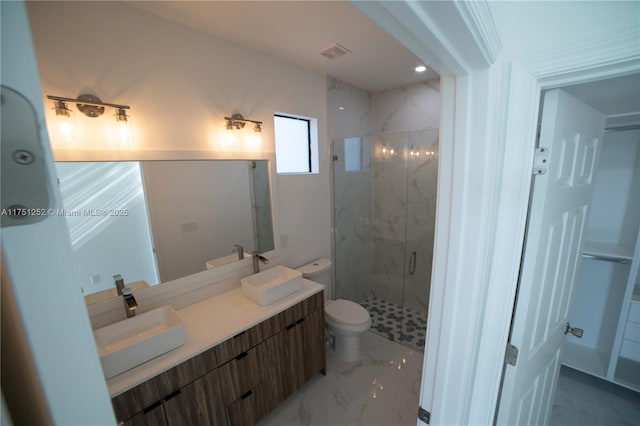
{"x": 290, "y": 326}
{"x": 301, "y": 320}
{"x": 240, "y": 356}
{"x": 246, "y": 395}
{"x": 152, "y": 406}
{"x": 240, "y": 334}
{"x": 172, "y": 395}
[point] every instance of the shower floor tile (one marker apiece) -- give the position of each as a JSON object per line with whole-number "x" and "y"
{"x": 398, "y": 324}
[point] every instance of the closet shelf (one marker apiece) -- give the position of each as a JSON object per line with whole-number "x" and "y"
{"x": 606, "y": 251}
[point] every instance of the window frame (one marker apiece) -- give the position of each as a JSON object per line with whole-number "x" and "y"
{"x": 310, "y": 154}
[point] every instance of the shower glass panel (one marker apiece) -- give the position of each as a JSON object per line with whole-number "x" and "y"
{"x": 384, "y": 218}
{"x": 352, "y": 218}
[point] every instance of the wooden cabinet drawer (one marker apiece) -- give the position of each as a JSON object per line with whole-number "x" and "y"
{"x": 198, "y": 403}
{"x": 634, "y": 312}
{"x": 146, "y": 394}
{"x": 247, "y": 339}
{"x": 153, "y": 416}
{"x": 302, "y": 309}
{"x": 242, "y": 374}
{"x": 236, "y": 345}
{"x": 250, "y": 407}
{"x": 250, "y": 373}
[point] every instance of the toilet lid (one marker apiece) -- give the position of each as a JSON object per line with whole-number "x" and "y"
{"x": 347, "y": 312}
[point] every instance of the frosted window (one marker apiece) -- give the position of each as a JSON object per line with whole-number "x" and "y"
{"x": 296, "y": 146}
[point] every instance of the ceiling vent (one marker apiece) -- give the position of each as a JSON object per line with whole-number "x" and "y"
{"x": 335, "y": 51}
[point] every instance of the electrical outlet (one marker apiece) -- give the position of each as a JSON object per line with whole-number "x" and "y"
{"x": 189, "y": 227}
{"x": 284, "y": 241}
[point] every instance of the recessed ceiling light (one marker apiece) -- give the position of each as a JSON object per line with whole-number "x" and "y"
{"x": 421, "y": 68}
{"x": 341, "y": 108}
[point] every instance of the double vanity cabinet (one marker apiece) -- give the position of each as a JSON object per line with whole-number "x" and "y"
{"x": 237, "y": 381}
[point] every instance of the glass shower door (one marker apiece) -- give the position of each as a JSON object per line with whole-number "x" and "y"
{"x": 422, "y": 177}
{"x": 384, "y": 217}
{"x": 352, "y": 217}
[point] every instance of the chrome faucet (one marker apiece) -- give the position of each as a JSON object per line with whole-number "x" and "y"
{"x": 130, "y": 304}
{"x": 257, "y": 258}
{"x": 119, "y": 283}
{"x": 240, "y": 251}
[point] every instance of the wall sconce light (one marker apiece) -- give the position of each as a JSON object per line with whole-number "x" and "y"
{"x": 64, "y": 131}
{"x": 91, "y": 106}
{"x": 61, "y": 108}
{"x": 237, "y": 121}
{"x": 121, "y": 115}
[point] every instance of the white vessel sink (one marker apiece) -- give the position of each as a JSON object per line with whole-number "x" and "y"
{"x": 221, "y": 261}
{"x": 271, "y": 285}
{"x": 131, "y": 342}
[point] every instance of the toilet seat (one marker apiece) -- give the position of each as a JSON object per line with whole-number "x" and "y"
{"x": 346, "y": 312}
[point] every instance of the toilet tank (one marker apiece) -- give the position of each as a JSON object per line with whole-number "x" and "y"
{"x": 319, "y": 271}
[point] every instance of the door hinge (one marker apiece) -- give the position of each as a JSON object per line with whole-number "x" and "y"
{"x": 541, "y": 161}
{"x": 511, "y": 354}
{"x": 424, "y": 415}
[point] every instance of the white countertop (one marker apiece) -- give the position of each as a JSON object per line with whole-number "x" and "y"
{"x": 207, "y": 324}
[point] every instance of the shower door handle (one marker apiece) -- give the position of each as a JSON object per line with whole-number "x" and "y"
{"x": 412, "y": 263}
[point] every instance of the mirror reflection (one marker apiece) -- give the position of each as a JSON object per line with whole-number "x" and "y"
{"x": 156, "y": 221}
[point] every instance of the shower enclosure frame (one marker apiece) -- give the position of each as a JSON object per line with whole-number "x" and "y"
{"x": 384, "y": 220}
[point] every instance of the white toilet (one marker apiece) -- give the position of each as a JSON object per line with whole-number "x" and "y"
{"x": 345, "y": 319}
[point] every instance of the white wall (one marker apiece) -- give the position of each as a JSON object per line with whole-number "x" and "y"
{"x": 180, "y": 84}
{"x": 531, "y": 27}
{"x": 38, "y": 260}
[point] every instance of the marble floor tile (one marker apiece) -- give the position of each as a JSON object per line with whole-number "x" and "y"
{"x": 583, "y": 400}
{"x": 381, "y": 389}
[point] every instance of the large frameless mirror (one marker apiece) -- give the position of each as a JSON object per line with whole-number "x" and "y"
{"x": 156, "y": 221}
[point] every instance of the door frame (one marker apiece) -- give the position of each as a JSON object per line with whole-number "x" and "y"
{"x": 484, "y": 182}
{"x": 592, "y": 60}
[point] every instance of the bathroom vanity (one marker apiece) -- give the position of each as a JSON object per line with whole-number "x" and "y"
{"x": 240, "y": 360}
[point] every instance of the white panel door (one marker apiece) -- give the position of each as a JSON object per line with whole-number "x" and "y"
{"x": 572, "y": 131}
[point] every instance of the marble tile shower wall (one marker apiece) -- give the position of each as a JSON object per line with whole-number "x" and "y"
{"x": 349, "y": 117}
{"x": 384, "y": 210}
{"x": 421, "y": 215}
{"x": 404, "y": 182}
{"x": 404, "y": 191}
{"x": 389, "y": 225}
{"x": 406, "y": 109}
{"x": 352, "y": 211}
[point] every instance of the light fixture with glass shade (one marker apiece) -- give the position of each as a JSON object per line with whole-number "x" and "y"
{"x": 91, "y": 106}
{"x": 237, "y": 122}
